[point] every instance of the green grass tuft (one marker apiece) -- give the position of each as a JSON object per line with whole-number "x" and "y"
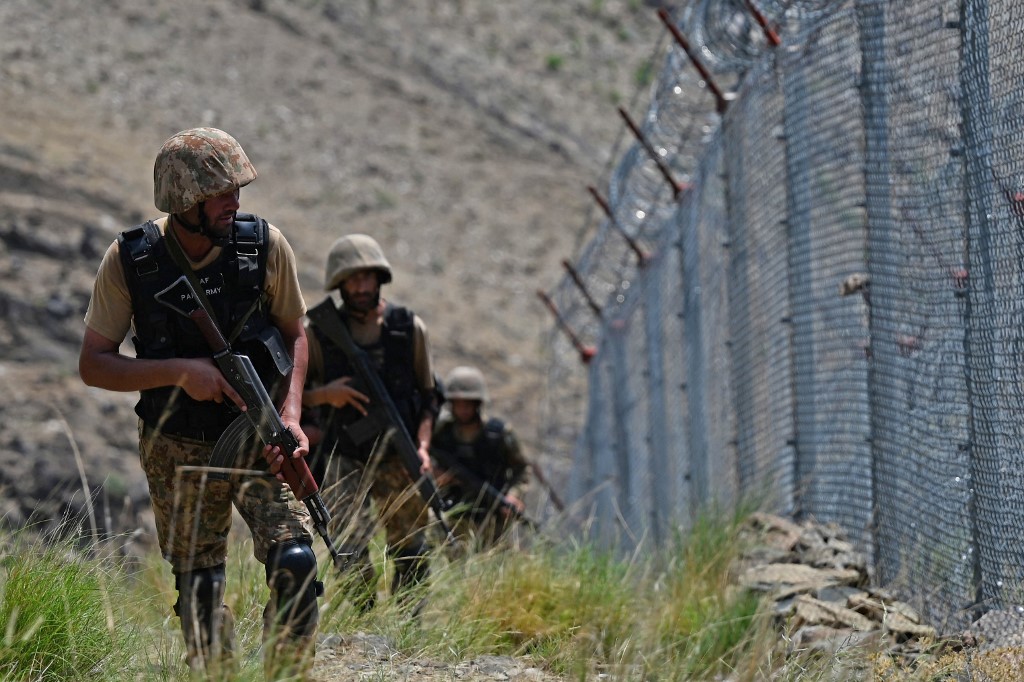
{"x": 57, "y": 614}
{"x": 670, "y": 613}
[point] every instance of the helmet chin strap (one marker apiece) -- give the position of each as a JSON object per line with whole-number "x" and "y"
{"x": 203, "y": 227}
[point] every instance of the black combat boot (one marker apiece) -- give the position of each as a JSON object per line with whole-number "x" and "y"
{"x": 206, "y": 621}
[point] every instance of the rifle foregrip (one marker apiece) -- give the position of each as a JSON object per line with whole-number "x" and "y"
{"x": 299, "y": 478}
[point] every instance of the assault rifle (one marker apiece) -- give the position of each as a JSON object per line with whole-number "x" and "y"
{"x": 480, "y": 488}
{"x": 326, "y": 317}
{"x": 260, "y": 417}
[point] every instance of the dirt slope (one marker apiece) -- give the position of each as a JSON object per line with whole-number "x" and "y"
{"x": 460, "y": 133}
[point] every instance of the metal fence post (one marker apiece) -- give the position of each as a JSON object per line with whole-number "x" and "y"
{"x": 980, "y": 344}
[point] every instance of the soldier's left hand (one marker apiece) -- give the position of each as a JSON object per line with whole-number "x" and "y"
{"x": 274, "y": 455}
{"x": 424, "y": 452}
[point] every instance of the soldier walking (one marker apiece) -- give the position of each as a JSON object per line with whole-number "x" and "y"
{"x": 352, "y": 458}
{"x": 245, "y": 270}
{"x": 486, "y": 474}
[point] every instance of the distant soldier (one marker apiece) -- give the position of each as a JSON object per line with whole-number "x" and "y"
{"x": 352, "y": 458}
{"x": 480, "y": 465}
{"x": 245, "y": 273}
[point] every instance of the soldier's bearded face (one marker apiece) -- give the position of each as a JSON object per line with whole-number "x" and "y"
{"x": 219, "y": 213}
{"x": 360, "y": 292}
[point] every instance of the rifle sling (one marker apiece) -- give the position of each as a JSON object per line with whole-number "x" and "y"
{"x": 179, "y": 258}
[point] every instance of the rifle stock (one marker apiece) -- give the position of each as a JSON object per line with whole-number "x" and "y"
{"x": 260, "y": 417}
{"x": 326, "y": 317}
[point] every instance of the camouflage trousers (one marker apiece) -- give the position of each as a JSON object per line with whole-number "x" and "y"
{"x": 193, "y": 512}
{"x": 359, "y": 494}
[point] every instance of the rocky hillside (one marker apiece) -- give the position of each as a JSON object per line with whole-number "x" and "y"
{"x": 459, "y": 133}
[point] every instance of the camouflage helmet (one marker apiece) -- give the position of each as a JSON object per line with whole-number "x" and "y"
{"x": 465, "y": 383}
{"x": 197, "y": 164}
{"x": 352, "y": 253}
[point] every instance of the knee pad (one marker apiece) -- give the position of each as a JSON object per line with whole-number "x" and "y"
{"x": 291, "y": 575}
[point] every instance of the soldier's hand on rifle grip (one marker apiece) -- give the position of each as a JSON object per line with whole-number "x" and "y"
{"x": 202, "y": 380}
{"x": 275, "y": 460}
{"x": 300, "y": 435}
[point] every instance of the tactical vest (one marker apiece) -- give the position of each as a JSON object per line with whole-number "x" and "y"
{"x": 394, "y": 358}
{"x": 233, "y": 285}
{"x": 486, "y": 456}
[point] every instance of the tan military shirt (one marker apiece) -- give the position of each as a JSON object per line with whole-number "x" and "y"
{"x": 110, "y": 308}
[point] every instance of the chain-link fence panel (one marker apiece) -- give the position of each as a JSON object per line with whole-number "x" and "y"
{"x": 993, "y": 103}
{"x": 826, "y": 234}
{"x": 918, "y": 382}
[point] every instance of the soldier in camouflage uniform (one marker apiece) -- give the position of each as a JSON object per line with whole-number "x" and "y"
{"x": 351, "y": 457}
{"x": 246, "y": 270}
{"x": 479, "y": 449}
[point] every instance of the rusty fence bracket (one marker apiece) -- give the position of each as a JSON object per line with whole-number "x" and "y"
{"x": 642, "y": 256}
{"x": 721, "y": 101}
{"x": 581, "y": 285}
{"x": 587, "y": 353}
{"x": 769, "y": 33}
{"x": 651, "y": 152}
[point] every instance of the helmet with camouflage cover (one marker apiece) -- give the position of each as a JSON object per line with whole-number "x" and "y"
{"x": 465, "y": 383}
{"x": 197, "y": 164}
{"x": 352, "y": 253}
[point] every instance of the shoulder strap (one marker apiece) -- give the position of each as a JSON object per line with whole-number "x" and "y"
{"x": 398, "y": 318}
{"x": 136, "y": 248}
{"x": 494, "y": 428}
{"x": 325, "y": 317}
{"x": 251, "y": 247}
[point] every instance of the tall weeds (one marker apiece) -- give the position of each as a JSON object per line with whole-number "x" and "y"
{"x": 671, "y": 613}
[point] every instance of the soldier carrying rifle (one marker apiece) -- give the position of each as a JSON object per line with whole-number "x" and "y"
{"x": 371, "y": 404}
{"x": 244, "y": 274}
{"x": 482, "y": 471}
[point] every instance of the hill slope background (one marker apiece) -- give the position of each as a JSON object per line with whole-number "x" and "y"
{"x": 461, "y": 134}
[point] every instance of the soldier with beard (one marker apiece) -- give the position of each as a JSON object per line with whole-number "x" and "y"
{"x": 351, "y": 456}
{"x": 244, "y": 272}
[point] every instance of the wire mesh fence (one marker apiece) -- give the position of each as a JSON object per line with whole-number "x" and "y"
{"x": 827, "y": 312}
